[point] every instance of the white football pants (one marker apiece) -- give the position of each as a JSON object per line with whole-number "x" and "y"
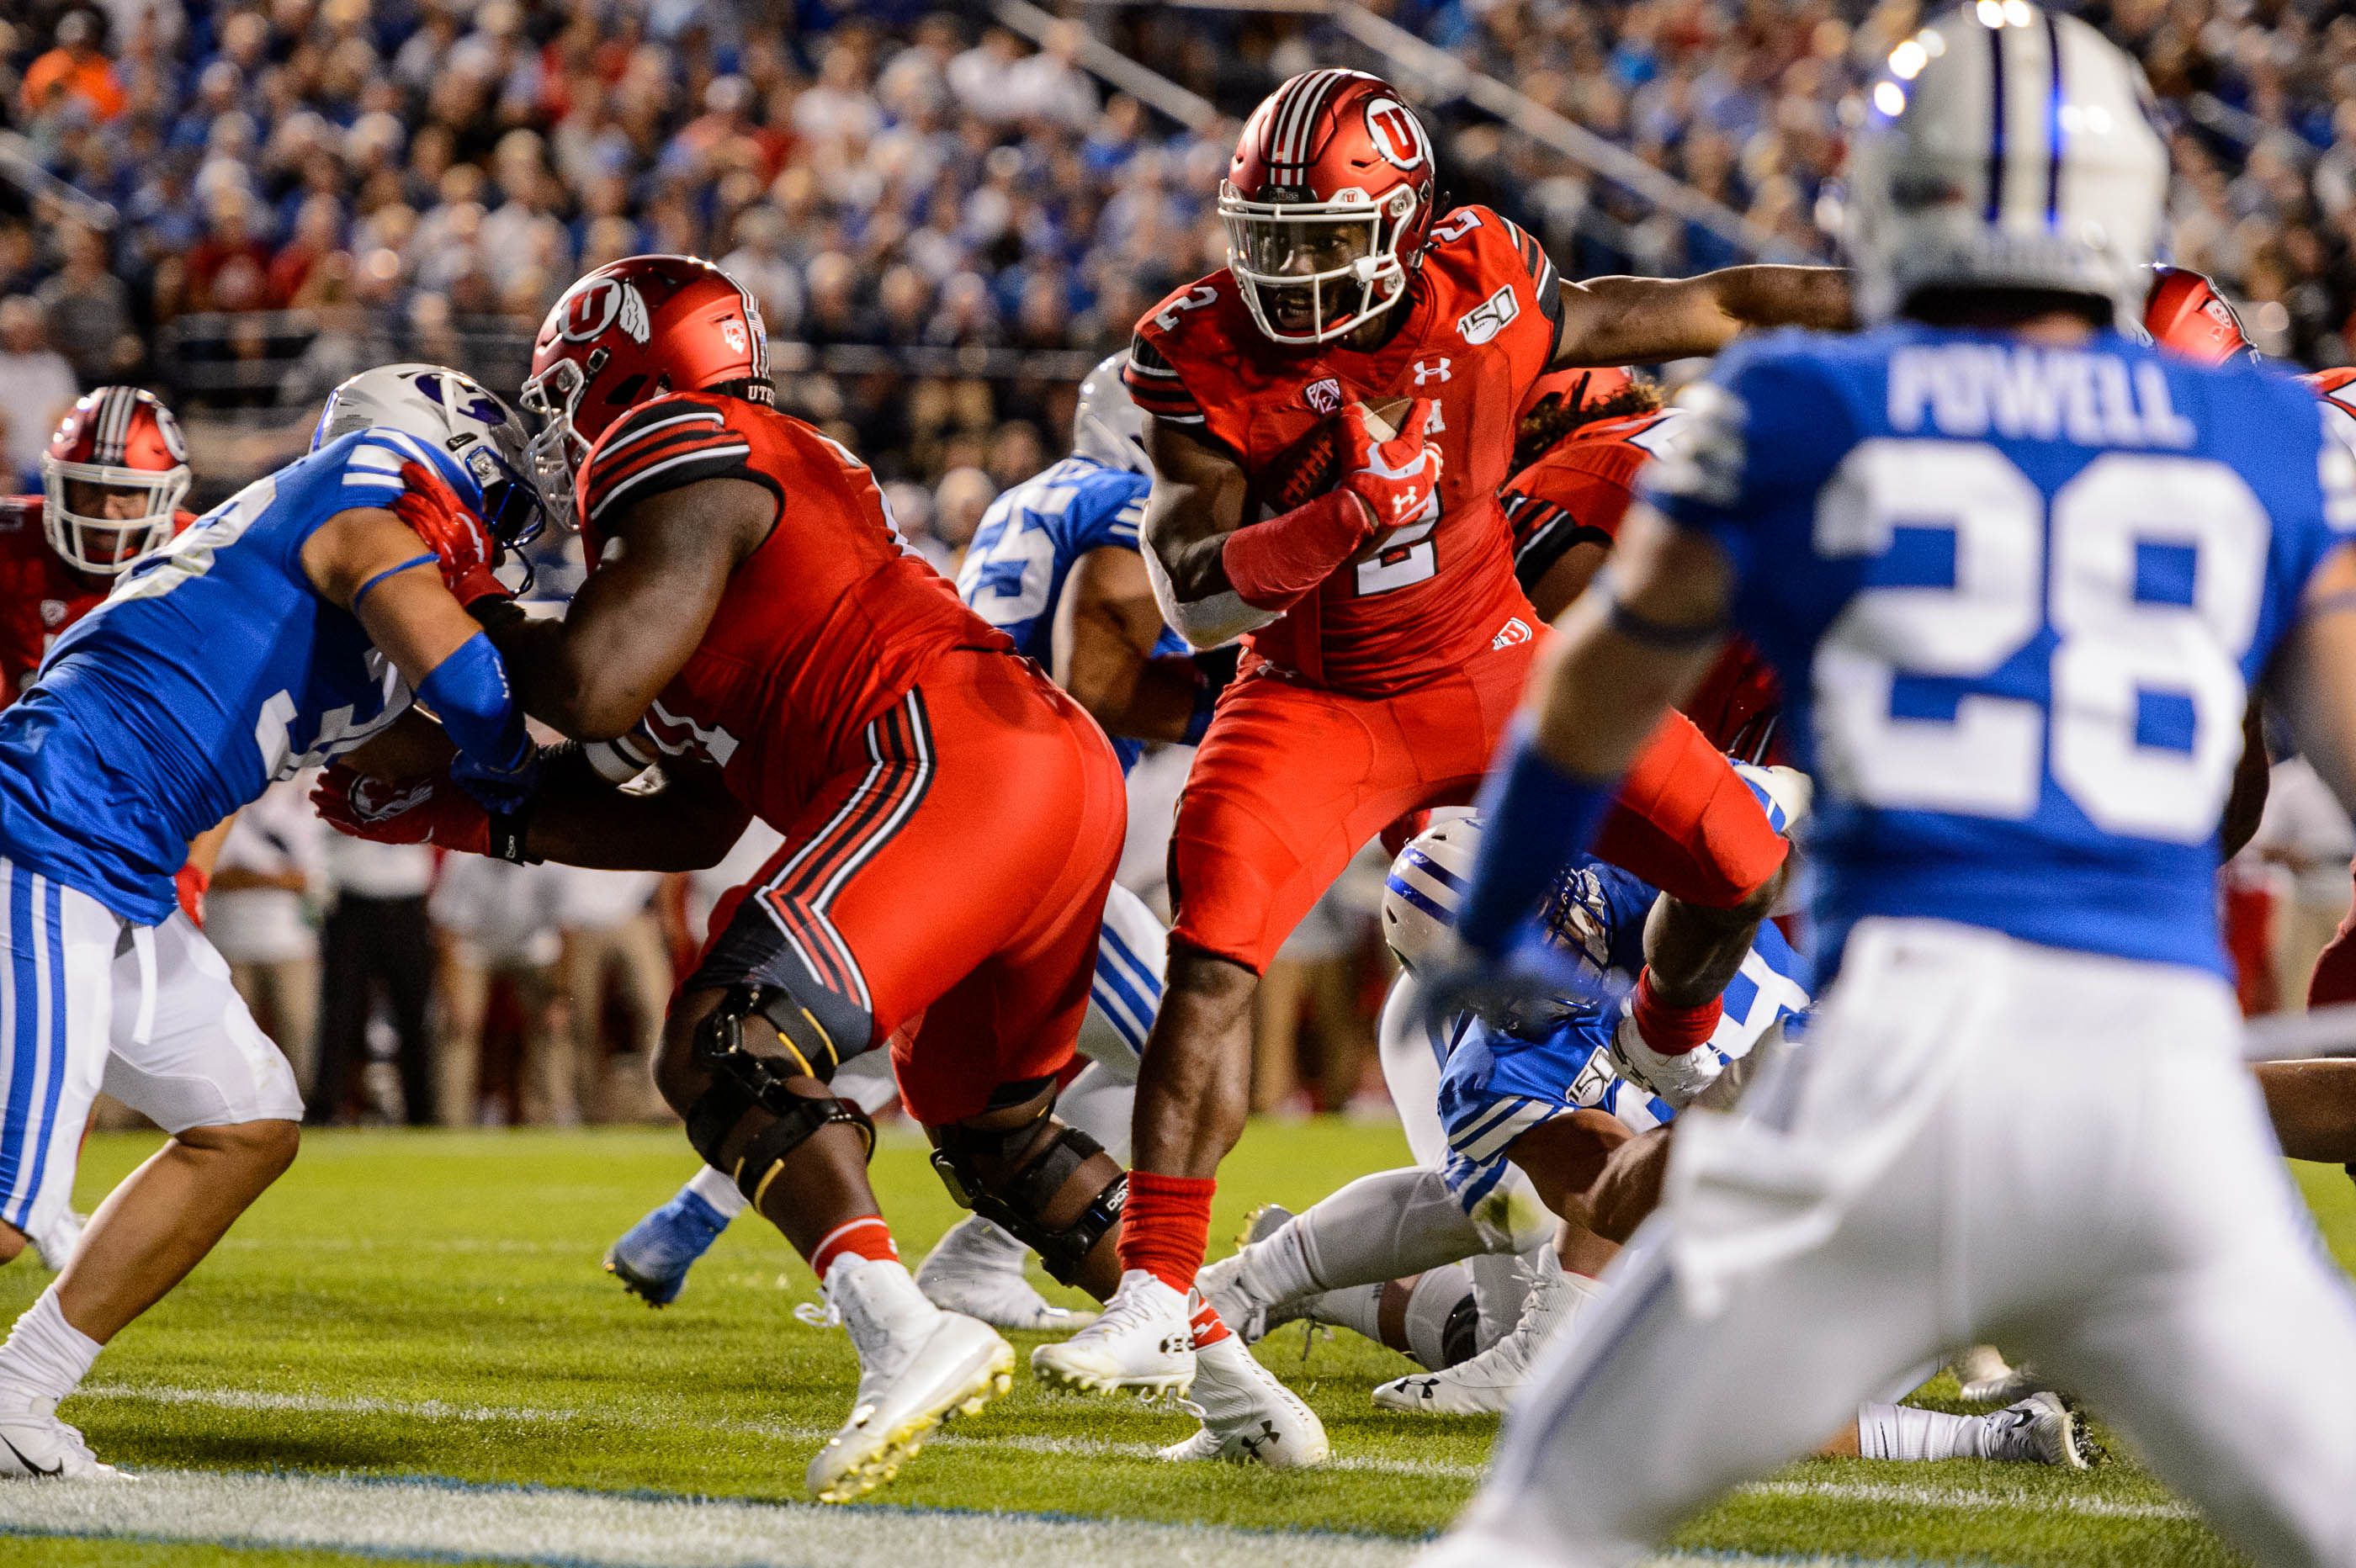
{"x": 1982, "y": 1140}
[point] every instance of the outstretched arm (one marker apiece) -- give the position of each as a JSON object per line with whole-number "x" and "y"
{"x": 580, "y": 819}
{"x": 641, "y": 612}
{"x": 1619, "y": 320}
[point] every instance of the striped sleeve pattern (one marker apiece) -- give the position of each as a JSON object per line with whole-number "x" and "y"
{"x": 1543, "y": 280}
{"x": 1154, "y": 383}
{"x": 1125, "y": 523}
{"x": 372, "y": 467}
{"x": 1543, "y": 532}
{"x": 656, "y": 448}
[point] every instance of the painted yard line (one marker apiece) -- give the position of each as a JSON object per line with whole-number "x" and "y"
{"x": 1896, "y": 1494}
{"x": 441, "y": 1521}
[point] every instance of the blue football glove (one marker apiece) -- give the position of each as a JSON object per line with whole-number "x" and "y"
{"x": 1535, "y": 985}
{"x": 499, "y": 789}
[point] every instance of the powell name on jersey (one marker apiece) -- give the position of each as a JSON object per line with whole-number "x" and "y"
{"x": 1029, "y": 541}
{"x": 2038, "y": 581}
{"x": 1479, "y": 327}
{"x": 822, "y": 627}
{"x": 212, "y": 669}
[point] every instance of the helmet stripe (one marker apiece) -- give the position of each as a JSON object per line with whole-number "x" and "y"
{"x": 1299, "y": 117}
{"x": 114, "y": 425}
{"x": 1996, "y": 37}
{"x": 2054, "y": 123}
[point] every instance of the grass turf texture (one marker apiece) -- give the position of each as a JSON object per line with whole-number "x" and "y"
{"x": 429, "y": 1304}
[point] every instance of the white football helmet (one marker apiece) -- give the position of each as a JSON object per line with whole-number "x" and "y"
{"x": 1108, "y": 425}
{"x": 451, "y": 410}
{"x": 2006, "y": 147}
{"x": 1426, "y": 888}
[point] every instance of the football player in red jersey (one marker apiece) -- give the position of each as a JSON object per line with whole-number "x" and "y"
{"x": 1387, "y": 638}
{"x": 951, "y": 818}
{"x": 2312, "y": 1103}
{"x": 1575, "y": 456}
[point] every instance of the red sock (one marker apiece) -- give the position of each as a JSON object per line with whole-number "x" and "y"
{"x": 1206, "y": 1325}
{"x": 1671, "y": 1030}
{"x": 1166, "y": 1225}
{"x": 869, "y": 1237}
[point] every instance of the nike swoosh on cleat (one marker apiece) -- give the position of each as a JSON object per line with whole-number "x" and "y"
{"x": 55, "y": 1470}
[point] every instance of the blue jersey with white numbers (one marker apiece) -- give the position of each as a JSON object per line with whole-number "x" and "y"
{"x": 212, "y": 669}
{"x": 1014, "y": 570}
{"x": 2017, "y": 595}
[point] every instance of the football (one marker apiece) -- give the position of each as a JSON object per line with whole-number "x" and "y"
{"x": 1313, "y": 464}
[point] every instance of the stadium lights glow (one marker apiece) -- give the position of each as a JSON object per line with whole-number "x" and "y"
{"x": 1890, "y": 98}
{"x": 1907, "y": 60}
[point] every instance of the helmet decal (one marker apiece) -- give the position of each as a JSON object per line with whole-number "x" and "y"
{"x": 1398, "y": 136}
{"x": 604, "y": 303}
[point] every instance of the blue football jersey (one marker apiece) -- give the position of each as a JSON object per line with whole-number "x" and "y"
{"x": 212, "y": 669}
{"x": 2017, "y": 595}
{"x": 1014, "y": 569}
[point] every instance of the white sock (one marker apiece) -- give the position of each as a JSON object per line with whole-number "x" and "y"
{"x": 45, "y": 1355}
{"x": 1357, "y": 1307}
{"x": 1381, "y": 1227}
{"x": 1501, "y": 1286}
{"x": 1431, "y": 1306}
{"x": 1100, "y": 1105}
{"x": 1902, "y": 1431}
{"x": 716, "y": 1190}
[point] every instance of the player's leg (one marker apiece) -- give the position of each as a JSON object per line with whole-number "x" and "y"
{"x": 187, "y": 1055}
{"x": 2312, "y": 1106}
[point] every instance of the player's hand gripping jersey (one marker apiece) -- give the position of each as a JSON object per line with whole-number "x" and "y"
{"x": 213, "y": 668}
{"x": 2016, "y": 663}
{"x": 40, "y": 595}
{"x": 1479, "y": 326}
{"x": 819, "y": 630}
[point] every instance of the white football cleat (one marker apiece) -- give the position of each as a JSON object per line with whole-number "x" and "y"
{"x": 1997, "y": 1383}
{"x": 1248, "y": 1416}
{"x": 1486, "y": 1383}
{"x": 1234, "y": 1288}
{"x": 1679, "y": 1079}
{"x": 917, "y": 1366}
{"x": 35, "y": 1445}
{"x": 976, "y": 1269}
{"x": 2040, "y": 1430}
{"x": 1141, "y": 1344}
{"x": 57, "y": 1240}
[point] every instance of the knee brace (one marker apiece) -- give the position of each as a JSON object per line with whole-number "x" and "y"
{"x": 745, "y": 1081}
{"x": 965, "y": 1152}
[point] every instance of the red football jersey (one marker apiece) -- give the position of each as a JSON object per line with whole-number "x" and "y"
{"x": 1480, "y": 326}
{"x": 1578, "y": 491}
{"x": 40, "y": 595}
{"x": 818, "y": 630}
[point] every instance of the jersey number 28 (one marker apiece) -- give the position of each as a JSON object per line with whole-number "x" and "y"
{"x": 2066, "y": 574}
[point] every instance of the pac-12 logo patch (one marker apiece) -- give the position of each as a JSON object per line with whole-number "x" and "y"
{"x": 1324, "y": 396}
{"x": 1398, "y": 136}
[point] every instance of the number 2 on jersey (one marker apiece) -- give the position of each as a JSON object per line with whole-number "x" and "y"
{"x": 2118, "y": 659}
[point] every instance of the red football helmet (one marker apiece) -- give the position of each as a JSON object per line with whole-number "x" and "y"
{"x": 2186, "y": 314}
{"x": 632, "y": 330}
{"x": 1580, "y": 386}
{"x": 118, "y": 453}
{"x": 1328, "y": 204}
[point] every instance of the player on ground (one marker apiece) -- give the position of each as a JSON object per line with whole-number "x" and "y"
{"x": 1387, "y": 636}
{"x": 289, "y": 624}
{"x": 753, "y": 603}
{"x": 1054, "y": 564}
{"x": 2017, "y": 570}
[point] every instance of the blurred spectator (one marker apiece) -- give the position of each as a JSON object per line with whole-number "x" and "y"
{"x": 611, "y": 937}
{"x": 41, "y": 388}
{"x": 959, "y": 502}
{"x": 375, "y": 948}
{"x": 88, "y": 309}
{"x": 494, "y": 922}
{"x": 257, "y": 916}
{"x": 74, "y": 74}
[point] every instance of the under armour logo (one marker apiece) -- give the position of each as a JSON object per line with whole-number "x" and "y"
{"x": 1424, "y": 372}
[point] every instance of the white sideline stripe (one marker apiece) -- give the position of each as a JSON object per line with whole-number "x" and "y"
{"x": 1895, "y": 1494}
{"x": 448, "y": 1522}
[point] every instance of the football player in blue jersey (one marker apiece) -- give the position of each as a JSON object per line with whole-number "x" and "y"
{"x": 2017, "y": 572}
{"x": 1055, "y": 565}
{"x": 290, "y": 625}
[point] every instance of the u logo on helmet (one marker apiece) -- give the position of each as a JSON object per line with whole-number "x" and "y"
{"x": 1398, "y": 136}
{"x": 602, "y": 303}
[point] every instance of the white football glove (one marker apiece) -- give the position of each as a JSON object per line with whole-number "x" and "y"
{"x": 1679, "y": 1080}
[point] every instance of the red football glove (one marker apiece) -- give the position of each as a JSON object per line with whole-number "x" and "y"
{"x": 1398, "y": 479}
{"x": 427, "y": 810}
{"x": 190, "y": 884}
{"x": 460, "y": 539}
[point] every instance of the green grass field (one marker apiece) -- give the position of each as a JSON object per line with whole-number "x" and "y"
{"x": 427, "y": 1308}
